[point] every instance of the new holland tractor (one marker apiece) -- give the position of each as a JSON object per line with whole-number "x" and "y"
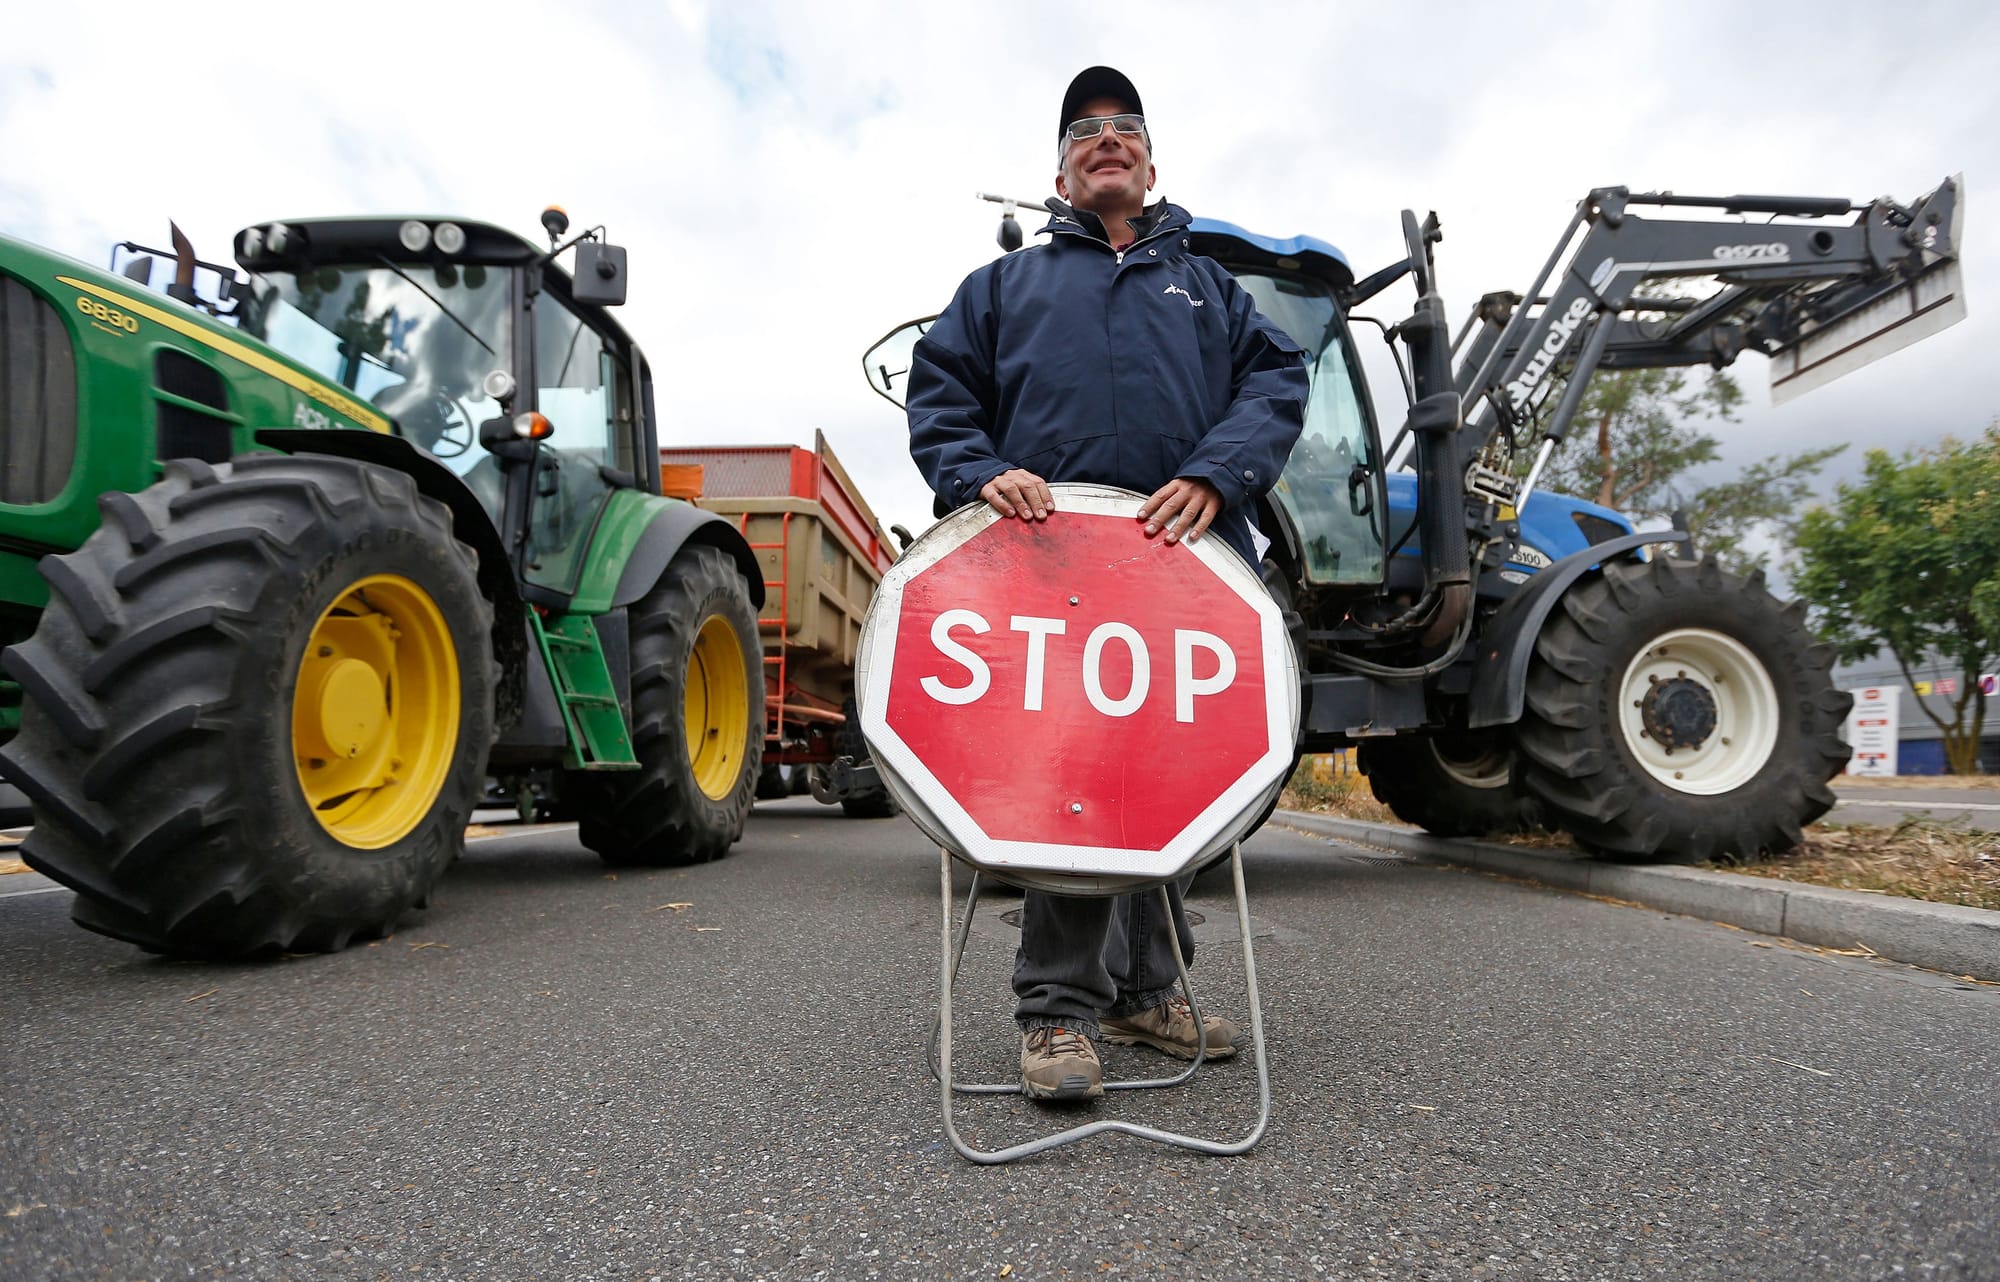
{"x": 288, "y": 572}
{"x": 1502, "y": 657}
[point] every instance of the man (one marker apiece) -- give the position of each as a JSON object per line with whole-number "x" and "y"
{"x": 1110, "y": 355}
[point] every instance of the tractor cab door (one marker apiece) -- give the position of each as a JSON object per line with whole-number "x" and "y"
{"x": 583, "y": 384}
{"x": 1332, "y": 490}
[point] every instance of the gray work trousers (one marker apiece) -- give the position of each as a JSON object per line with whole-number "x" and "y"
{"x": 1109, "y": 955}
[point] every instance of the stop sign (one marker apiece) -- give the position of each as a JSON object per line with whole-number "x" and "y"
{"x": 1073, "y": 697}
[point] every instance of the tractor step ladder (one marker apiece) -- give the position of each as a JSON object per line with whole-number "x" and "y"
{"x": 953, "y": 952}
{"x": 591, "y": 712}
{"x": 774, "y": 691}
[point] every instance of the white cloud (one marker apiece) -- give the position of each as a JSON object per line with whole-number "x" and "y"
{"x": 791, "y": 179}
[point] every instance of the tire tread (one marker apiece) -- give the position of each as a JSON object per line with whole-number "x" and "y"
{"x": 139, "y": 683}
{"x": 1587, "y": 779}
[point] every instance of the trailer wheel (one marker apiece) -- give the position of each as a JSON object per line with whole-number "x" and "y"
{"x": 1452, "y": 785}
{"x": 875, "y": 803}
{"x": 697, "y": 722}
{"x": 1677, "y": 712}
{"x": 259, "y": 705}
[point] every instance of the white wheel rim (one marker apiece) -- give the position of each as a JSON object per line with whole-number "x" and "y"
{"x": 1746, "y": 711}
{"x": 1492, "y": 768}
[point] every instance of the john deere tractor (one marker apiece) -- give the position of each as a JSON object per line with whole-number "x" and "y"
{"x": 287, "y": 572}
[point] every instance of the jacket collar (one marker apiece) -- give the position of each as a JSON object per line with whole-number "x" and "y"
{"x": 1159, "y": 217}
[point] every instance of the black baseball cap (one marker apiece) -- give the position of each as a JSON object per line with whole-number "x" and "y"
{"x": 1097, "y": 82}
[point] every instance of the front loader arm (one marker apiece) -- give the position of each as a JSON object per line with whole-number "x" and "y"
{"x": 1790, "y": 290}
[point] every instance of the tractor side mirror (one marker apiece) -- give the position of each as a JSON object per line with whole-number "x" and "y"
{"x": 1418, "y": 245}
{"x": 887, "y": 363}
{"x": 139, "y": 269}
{"x": 600, "y": 274}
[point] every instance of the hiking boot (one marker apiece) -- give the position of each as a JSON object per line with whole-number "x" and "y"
{"x": 1169, "y": 1027}
{"x": 1059, "y": 1064}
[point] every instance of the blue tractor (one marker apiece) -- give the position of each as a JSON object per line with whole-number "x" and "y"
{"x": 1503, "y": 657}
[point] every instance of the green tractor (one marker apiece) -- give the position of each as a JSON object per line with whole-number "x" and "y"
{"x": 287, "y": 574}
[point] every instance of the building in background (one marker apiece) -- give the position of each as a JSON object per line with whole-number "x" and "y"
{"x": 1933, "y": 686}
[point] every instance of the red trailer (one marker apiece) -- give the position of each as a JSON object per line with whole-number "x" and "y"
{"x": 823, "y": 552}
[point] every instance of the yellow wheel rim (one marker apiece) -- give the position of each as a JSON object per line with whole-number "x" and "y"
{"x": 717, "y": 708}
{"x": 375, "y": 711}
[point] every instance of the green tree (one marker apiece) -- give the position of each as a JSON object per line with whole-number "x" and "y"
{"x": 1909, "y": 558}
{"x": 1635, "y": 438}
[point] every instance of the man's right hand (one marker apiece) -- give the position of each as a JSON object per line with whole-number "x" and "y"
{"x": 1019, "y": 492}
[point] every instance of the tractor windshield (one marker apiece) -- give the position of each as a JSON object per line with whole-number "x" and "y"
{"x": 1334, "y": 508}
{"x": 417, "y": 341}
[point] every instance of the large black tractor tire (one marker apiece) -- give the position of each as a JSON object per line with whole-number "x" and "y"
{"x": 1677, "y": 712}
{"x": 697, "y": 722}
{"x": 872, "y": 803}
{"x": 1451, "y": 785}
{"x": 257, "y": 708}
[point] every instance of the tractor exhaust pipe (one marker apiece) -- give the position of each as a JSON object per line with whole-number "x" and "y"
{"x": 182, "y": 288}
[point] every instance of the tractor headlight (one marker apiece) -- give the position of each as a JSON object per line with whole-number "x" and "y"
{"x": 277, "y": 237}
{"x": 415, "y": 236}
{"x": 450, "y": 238}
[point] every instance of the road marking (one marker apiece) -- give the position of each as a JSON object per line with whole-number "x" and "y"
{"x": 46, "y": 890}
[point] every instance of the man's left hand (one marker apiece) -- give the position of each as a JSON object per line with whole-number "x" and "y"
{"x": 1183, "y": 507}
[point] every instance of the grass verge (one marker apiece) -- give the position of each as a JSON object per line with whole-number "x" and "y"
{"x": 1918, "y": 859}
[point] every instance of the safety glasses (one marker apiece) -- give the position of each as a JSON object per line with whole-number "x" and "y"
{"x": 1088, "y": 127}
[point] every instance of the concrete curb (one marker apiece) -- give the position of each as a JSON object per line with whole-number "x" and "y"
{"x": 1945, "y": 937}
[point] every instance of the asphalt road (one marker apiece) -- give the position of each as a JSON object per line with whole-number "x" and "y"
{"x": 557, "y": 1073}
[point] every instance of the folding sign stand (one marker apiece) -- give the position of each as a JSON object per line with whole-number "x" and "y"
{"x": 953, "y": 950}
{"x": 990, "y": 632}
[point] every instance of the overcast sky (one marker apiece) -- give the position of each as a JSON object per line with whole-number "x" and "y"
{"x": 793, "y": 179}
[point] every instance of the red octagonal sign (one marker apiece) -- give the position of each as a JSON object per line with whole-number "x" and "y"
{"x": 1072, "y": 697}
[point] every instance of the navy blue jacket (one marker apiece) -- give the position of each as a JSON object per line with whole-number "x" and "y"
{"x": 1081, "y": 363}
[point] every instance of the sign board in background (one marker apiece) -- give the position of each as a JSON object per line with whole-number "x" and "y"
{"x": 1872, "y": 726}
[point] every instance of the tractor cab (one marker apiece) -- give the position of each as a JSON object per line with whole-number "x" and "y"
{"x": 478, "y": 350}
{"x": 1331, "y": 499}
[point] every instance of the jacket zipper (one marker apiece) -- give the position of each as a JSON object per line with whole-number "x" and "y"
{"x": 1133, "y": 247}
{"x": 1118, "y": 255}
